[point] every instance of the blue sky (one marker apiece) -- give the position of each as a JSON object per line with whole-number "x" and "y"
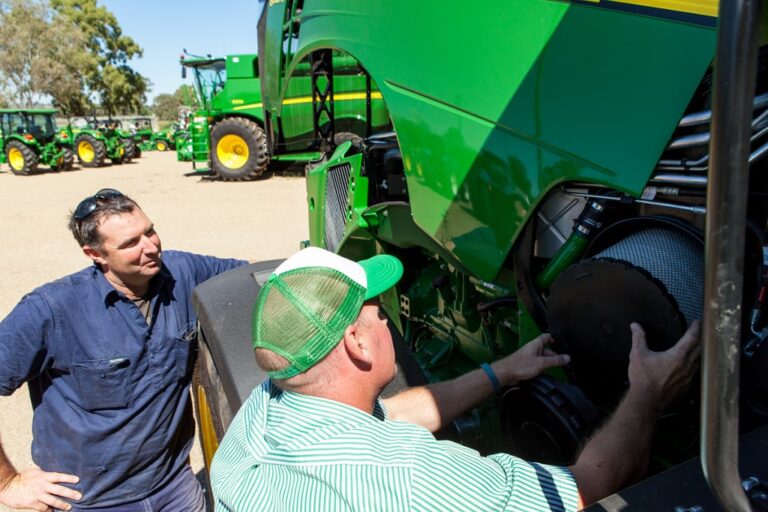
{"x": 164, "y": 28}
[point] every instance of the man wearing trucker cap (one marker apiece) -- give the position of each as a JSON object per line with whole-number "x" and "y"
{"x": 316, "y": 435}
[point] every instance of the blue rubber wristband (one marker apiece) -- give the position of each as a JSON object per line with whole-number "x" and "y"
{"x": 491, "y": 377}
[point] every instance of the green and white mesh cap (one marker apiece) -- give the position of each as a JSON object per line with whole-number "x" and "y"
{"x": 309, "y": 301}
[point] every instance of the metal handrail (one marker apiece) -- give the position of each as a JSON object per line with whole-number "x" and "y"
{"x": 734, "y": 79}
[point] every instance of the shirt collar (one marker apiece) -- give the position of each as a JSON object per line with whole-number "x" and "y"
{"x": 331, "y": 409}
{"x": 163, "y": 279}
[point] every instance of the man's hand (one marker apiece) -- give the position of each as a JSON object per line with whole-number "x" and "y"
{"x": 663, "y": 376}
{"x": 619, "y": 452}
{"x": 36, "y": 489}
{"x": 528, "y": 361}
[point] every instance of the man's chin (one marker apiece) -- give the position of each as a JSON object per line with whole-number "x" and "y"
{"x": 151, "y": 268}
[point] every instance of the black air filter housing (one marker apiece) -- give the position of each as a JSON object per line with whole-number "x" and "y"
{"x": 653, "y": 276}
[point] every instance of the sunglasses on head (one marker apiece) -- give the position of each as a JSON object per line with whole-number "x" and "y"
{"x": 88, "y": 205}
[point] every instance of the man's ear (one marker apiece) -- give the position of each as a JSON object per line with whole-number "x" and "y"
{"x": 356, "y": 345}
{"x": 93, "y": 254}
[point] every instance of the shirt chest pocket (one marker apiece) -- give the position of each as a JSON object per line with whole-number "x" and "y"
{"x": 185, "y": 351}
{"x": 104, "y": 383}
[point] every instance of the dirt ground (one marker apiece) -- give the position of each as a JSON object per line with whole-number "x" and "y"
{"x": 258, "y": 220}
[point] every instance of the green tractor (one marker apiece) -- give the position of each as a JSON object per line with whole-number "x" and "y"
{"x": 141, "y": 132}
{"x": 29, "y": 137}
{"x": 113, "y": 129}
{"x": 570, "y": 167}
{"x": 95, "y": 141}
{"x": 165, "y": 140}
{"x": 229, "y": 131}
{"x": 147, "y": 139}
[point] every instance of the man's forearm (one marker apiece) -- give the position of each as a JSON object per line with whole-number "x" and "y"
{"x": 619, "y": 452}
{"x": 435, "y": 405}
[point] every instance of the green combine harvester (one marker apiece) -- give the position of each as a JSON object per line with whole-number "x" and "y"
{"x": 29, "y": 137}
{"x": 228, "y": 131}
{"x": 561, "y": 166}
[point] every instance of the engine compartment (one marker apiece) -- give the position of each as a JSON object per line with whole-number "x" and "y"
{"x": 589, "y": 260}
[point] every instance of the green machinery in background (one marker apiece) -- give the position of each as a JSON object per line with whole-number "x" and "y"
{"x": 147, "y": 139}
{"x": 94, "y": 141}
{"x": 29, "y": 137}
{"x": 228, "y": 131}
{"x": 113, "y": 128}
{"x": 141, "y": 131}
{"x": 167, "y": 139}
{"x": 553, "y": 166}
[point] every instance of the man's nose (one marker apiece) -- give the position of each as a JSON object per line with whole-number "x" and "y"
{"x": 150, "y": 244}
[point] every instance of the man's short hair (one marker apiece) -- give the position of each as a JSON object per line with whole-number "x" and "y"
{"x": 86, "y": 230}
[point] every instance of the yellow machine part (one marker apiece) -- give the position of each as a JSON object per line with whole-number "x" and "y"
{"x": 232, "y": 151}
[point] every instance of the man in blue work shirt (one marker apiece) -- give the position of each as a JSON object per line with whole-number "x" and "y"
{"x": 108, "y": 354}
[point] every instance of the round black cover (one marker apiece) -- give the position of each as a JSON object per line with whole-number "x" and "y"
{"x": 547, "y": 420}
{"x": 590, "y": 307}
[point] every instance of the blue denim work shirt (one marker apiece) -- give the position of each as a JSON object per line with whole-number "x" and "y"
{"x": 110, "y": 393}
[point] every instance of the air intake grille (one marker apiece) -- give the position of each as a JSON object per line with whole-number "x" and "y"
{"x": 672, "y": 258}
{"x": 336, "y": 196}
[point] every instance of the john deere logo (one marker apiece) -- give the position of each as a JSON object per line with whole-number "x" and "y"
{"x": 238, "y": 102}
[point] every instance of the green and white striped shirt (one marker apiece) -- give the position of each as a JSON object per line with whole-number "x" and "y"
{"x": 290, "y": 452}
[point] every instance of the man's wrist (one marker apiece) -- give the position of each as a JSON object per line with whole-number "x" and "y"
{"x": 6, "y": 477}
{"x": 644, "y": 398}
{"x": 492, "y": 378}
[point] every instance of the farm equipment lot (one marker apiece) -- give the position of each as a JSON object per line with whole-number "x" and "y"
{"x": 257, "y": 220}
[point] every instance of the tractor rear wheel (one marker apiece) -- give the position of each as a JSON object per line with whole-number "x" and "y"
{"x": 161, "y": 145}
{"x": 21, "y": 158}
{"x": 66, "y": 162}
{"x": 137, "y": 151}
{"x": 90, "y": 151}
{"x": 130, "y": 149}
{"x": 238, "y": 149}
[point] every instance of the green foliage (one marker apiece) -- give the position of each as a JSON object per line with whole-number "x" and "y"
{"x": 166, "y": 106}
{"x": 105, "y": 73}
{"x": 41, "y": 55}
{"x": 186, "y": 96}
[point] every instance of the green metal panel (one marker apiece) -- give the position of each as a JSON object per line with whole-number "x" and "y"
{"x": 242, "y": 66}
{"x": 542, "y": 92}
{"x": 241, "y": 93}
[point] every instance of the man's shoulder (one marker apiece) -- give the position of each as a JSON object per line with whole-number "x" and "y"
{"x": 69, "y": 283}
{"x": 175, "y": 259}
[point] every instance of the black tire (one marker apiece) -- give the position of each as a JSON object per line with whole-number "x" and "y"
{"x": 130, "y": 149}
{"x": 20, "y": 157}
{"x": 238, "y": 149}
{"x": 161, "y": 145}
{"x": 66, "y": 161}
{"x": 212, "y": 410}
{"x": 93, "y": 157}
{"x": 137, "y": 151}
